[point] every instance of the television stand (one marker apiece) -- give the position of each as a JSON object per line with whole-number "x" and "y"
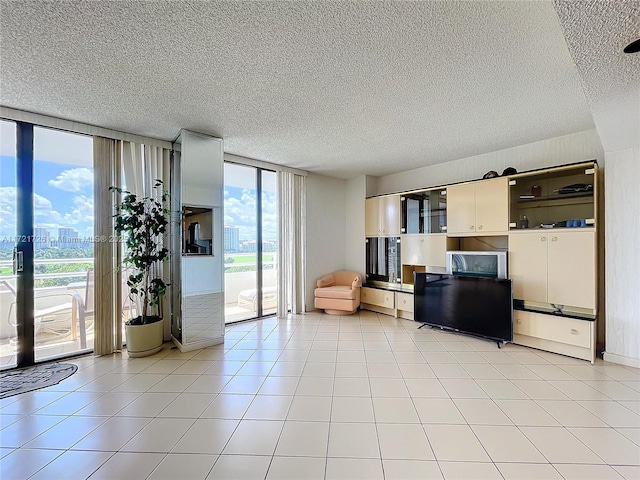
{"x": 499, "y": 343}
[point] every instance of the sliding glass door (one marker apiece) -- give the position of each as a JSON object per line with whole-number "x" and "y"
{"x": 250, "y": 242}
{"x": 46, "y": 254}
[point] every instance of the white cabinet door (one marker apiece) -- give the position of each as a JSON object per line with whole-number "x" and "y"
{"x": 528, "y": 265}
{"x": 572, "y": 268}
{"x": 436, "y": 250}
{"x": 492, "y": 206}
{"x": 461, "y": 208}
{"x": 413, "y": 250}
{"x": 390, "y": 215}
{"x": 372, "y": 217}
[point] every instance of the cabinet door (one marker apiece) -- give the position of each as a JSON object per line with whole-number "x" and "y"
{"x": 528, "y": 266}
{"x": 461, "y": 208}
{"x": 404, "y": 301}
{"x": 572, "y": 264}
{"x": 372, "y": 217}
{"x": 492, "y": 205}
{"x": 413, "y": 249}
{"x": 435, "y": 250}
{"x": 390, "y": 215}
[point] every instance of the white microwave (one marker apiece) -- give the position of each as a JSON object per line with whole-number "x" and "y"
{"x": 477, "y": 264}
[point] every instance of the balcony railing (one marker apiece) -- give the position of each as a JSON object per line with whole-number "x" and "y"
{"x": 54, "y": 335}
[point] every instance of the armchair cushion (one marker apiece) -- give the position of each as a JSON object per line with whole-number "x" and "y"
{"x": 326, "y": 281}
{"x": 336, "y": 291}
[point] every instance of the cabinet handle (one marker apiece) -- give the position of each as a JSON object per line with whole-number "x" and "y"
{"x": 543, "y": 239}
{"x": 574, "y": 331}
{"x": 479, "y": 227}
{"x": 470, "y": 227}
{"x": 518, "y": 321}
{"x": 554, "y": 239}
{"x": 422, "y": 240}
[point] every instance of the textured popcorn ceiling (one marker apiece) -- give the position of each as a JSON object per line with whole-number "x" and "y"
{"x": 597, "y": 33}
{"x": 340, "y": 88}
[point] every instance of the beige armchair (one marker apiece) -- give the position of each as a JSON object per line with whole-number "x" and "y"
{"x": 338, "y": 293}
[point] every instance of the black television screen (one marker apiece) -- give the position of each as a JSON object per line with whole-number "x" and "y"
{"x": 479, "y": 306}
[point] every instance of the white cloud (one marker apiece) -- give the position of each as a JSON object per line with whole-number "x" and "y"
{"x": 74, "y": 180}
{"x": 80, "y": 215}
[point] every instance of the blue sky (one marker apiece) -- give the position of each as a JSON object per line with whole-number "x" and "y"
{"x": 240, "y": 211}
{"x": 63, "y": 197}
{"x": 63, "y": 182}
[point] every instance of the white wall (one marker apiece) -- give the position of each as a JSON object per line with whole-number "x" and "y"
{"x": 326, "y": 229}
{"x": 622, "y": 253}
{"x": 356, "y": 191}
{"x": 571, "y": 148}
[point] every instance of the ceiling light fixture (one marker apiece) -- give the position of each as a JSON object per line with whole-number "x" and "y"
{"x": 633, "y": 47}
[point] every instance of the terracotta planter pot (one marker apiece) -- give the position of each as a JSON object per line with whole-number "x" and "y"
{"x": 144, "y": 340}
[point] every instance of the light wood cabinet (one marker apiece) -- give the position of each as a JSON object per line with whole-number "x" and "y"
{"x": 571, "y": 268}
{"x": 427, "y": 249}
{"x": 478, "y": 208}
{"x": 382, "y": 216}
{"x": 554, "y": 267}
{"x": 567, "y": 336}
{"x": 377, "y": 297}
{"x": 461, "y": 208}
{"x": 372, "y": 217}
{"x": 528, "y": 266}
{"x": 404, "y": 301}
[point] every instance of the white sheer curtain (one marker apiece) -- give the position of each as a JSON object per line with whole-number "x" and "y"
{"x": 291, "y": 243}
{"x": 142, "y": 165}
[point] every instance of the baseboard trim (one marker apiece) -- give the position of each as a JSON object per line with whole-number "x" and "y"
{"x": 197, "y": 345}
{"x": 621, "y": 359}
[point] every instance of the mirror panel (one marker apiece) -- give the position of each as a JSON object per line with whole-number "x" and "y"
{"x": 198, "y": 317}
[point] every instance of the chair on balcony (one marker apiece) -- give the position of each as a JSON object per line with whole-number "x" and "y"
{"x": 55, "y": 320}
{"x": 338, "y": 293}
{"x": 83, "y": 308}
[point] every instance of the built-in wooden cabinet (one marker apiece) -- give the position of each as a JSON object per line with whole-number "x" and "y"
{"x": 382, "y": 216}
{"x": 478, "y": 208}
{"x": 547, "y": 220}
{"x": 556, "y": 267}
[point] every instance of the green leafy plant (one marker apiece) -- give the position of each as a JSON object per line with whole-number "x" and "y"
{"x": 143, "y": 221}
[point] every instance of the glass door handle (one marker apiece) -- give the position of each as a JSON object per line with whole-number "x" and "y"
{"x": 18, "y": 261}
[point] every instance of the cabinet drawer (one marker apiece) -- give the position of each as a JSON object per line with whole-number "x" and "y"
{"x": 550, "y": 327}
{"x": 404, "y": 301}
{"x": 377, "y": 296}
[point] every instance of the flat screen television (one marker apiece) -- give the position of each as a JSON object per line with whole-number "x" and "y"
{"x": 474, "y": 305}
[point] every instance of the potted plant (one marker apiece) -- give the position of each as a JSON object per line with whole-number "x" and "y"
{"x": 143, "y": 221}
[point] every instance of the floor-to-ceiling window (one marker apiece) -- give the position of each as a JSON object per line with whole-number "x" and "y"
{"x": 250, "y": 242}
{"x": 46, "y": 248}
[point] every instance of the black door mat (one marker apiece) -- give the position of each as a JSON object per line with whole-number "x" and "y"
{"x": 34, "y": 378}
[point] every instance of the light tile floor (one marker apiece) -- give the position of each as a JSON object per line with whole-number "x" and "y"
{"x": 324, "y": 397}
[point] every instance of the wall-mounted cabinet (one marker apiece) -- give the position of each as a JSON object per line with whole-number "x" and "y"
{"x": 556, "y": 267}
{"x": 382, "y": 216}
{"x": 424, "y": 211}
{"x": 554, "y": 198}
{"x": 478, "y": 208}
